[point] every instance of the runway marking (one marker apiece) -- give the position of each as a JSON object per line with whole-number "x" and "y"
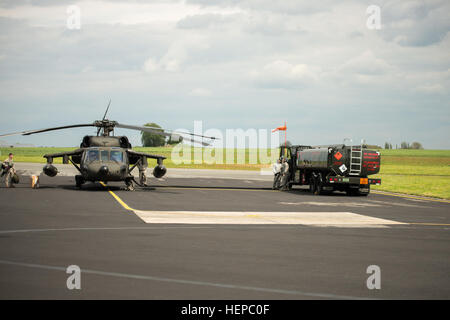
{"x": 429, "y": 224}
{"x": 248, "y": 217}
{"x": 186, "y": 282}
{"x": 331, "y": 204}
{"x": 217, "y": 189}
{"x": 335, "y": 219}
{"x": 100, "y": 229}
{"x": 366, "y": 203}
{"x": 123, "y": 204}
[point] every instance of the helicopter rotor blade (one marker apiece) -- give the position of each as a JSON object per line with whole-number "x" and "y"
{"x": 154, "y": 130}
{"x": 29, "y": 132}
{"x": 107, "y": 108}
{"x": 162, "y": 131}
{"x": 203, "y": 143}
{"x": 104, "y": 117}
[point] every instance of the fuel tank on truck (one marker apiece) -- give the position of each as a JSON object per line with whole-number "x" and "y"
{"x": 354, "y": 160}
{"x": 371, "y": 161}
{"x": 316, "y": 158}
{"x": 342, "y": 160}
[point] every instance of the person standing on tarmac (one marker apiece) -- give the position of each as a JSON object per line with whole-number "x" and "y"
{"x": 8, "y": 170}
{"x": 276, "y": 169}
{"x": 284, "y": 174}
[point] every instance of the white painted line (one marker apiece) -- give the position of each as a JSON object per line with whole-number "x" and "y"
{"x": 338, "y": 219}
{"x": 330, "y": 204}
{"x": 182, "y": 281}
{"x": 266, "y": 172}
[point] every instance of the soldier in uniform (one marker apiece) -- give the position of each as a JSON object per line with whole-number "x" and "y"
{"x": 276, "y": 169}
{"x": 284, "y": 174}
{"x": 8, "y": 170}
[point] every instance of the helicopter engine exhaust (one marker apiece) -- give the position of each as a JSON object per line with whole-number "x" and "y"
{"x": 50, "y": 170}
{"x": 159, "y": 171}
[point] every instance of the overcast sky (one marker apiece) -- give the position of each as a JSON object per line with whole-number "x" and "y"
{"x": 235, "y": 64}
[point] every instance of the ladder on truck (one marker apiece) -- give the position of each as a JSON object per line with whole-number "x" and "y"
{"x": 355, "y": 160}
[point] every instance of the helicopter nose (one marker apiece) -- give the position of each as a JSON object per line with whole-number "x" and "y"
{"x": 103, "y": 170}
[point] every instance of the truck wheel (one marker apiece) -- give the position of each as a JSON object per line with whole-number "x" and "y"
{"x": 364, "y": 193}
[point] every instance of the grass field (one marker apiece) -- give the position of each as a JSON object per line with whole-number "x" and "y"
{"x": 418, "y": 172}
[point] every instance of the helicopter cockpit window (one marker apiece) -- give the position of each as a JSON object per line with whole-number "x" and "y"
{"x": 116, "y": 156}
{"x": 92, "y": 155}
{"x": 104, "y": 155}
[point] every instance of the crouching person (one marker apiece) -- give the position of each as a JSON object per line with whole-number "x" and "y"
{"x": 9, "y": 172}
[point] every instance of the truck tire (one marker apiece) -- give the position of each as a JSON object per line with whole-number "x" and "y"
{"x": 351, "y": 192}
{"x": 356, "y": 192}
{"x": 364, "y": 193}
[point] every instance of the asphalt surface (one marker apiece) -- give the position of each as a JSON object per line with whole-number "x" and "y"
{"x": 108, "y": 232}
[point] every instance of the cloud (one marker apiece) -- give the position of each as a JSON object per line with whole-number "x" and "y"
{"x": 415, "y": 23}
{"x": 282, "y": 74}
{"x": 179, "y": 52}
{"x": 200, "y": 92}
{"x": 366, "y": 64}
{"x": 151, "y": 65}
{"x": 174, "y": 62}
{"x": 431, "y": 88}
{"x": 207, "y": 20}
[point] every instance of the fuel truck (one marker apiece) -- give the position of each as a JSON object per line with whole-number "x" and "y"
{"x": 332, "y": 168}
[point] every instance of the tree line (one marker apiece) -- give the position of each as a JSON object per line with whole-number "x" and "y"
{"x": 404, "y": 145}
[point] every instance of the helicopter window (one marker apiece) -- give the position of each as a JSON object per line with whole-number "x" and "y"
{"x": 116, "y": 156}
{"x": 104, "y": 155}
{"x": 93, "y": 155}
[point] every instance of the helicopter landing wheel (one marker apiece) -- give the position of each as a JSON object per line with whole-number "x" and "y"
{"x": 129, "y": 183}
{"x": 142, "y": 178}
{"x": 79, "y": 181}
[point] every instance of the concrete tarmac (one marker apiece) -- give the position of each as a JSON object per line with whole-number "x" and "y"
{"x": 217, "y": 238}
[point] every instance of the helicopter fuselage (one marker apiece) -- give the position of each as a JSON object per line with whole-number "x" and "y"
{"x": 104, "y": 164}
{"x": 106, "y": 159}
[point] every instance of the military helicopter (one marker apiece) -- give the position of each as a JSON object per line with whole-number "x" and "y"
{"x": 106, "y": 157}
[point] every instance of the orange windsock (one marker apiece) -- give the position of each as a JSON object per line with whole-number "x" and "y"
{"x": 282, "y": 128}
